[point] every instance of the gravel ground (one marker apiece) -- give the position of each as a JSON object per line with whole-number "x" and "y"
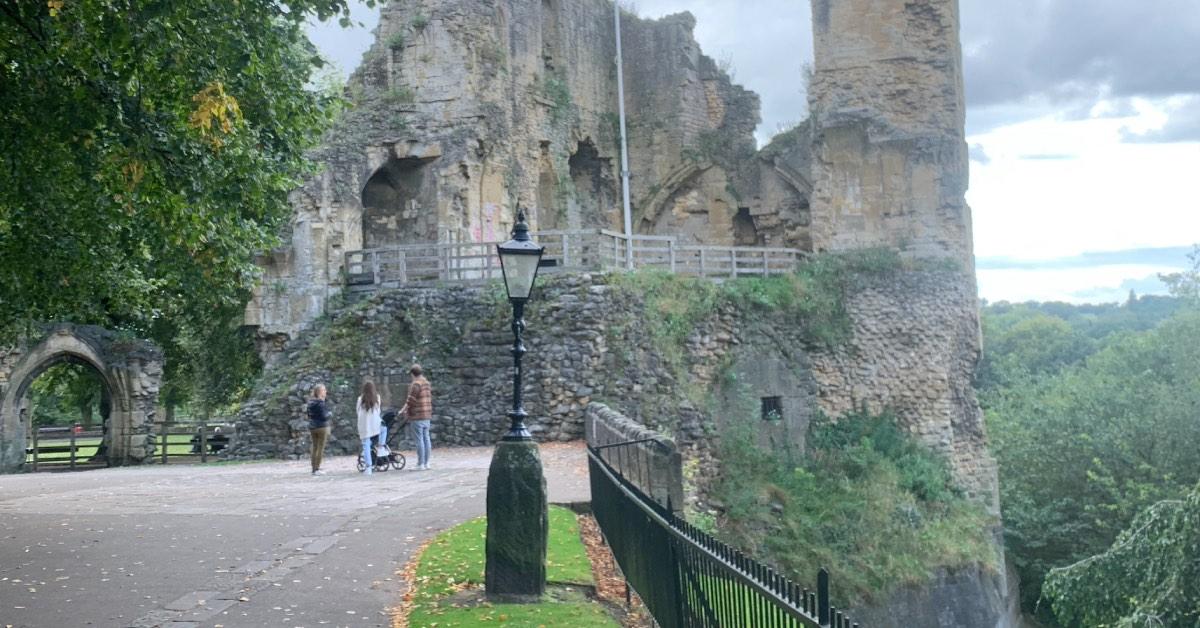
{"x": 234, "y": 545}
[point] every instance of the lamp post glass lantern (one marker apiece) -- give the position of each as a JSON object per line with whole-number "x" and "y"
{"x": 519, "y": 261}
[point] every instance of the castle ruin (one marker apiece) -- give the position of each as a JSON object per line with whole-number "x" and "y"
{"x": 465, "y": 110}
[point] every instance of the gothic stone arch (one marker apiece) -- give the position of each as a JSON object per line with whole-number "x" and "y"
{"x": 130, "y": 371}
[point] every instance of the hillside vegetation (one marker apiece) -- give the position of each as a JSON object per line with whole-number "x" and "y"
{"x": 865, "y": 501}
{"x": 1094, "y": 416}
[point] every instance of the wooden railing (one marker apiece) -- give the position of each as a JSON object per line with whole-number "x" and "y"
{"x": 62, "y": 448}
{"x": 571, "y": 251}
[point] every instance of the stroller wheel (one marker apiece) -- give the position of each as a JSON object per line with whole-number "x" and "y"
{"x": 361, "y": 465}
{"x": 381, "y": 464}
{"x": 398, "y": 460}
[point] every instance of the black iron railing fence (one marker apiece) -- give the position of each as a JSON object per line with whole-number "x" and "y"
{"x": 687, "y": 578}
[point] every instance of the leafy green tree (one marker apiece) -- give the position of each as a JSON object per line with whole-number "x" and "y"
{"x": 1149, "y": 577}
{"x": 1029, "y": 345}
{"x": 1083, "y": 452}
{"x": 146, "y": 153}
{"x": 65, "y": 394}
{"x": 1186, "y": 284}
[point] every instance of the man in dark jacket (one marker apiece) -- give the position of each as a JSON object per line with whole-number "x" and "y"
{"x": 319, "y": 416}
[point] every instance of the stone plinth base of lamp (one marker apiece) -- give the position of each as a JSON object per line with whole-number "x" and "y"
{"x": 517, "y": 524}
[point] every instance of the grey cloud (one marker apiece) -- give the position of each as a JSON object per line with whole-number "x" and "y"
{"x": 1183, "y": 125}
{"x": 1150, "y": 284}
{"x": 1173, "y": 256}
{"x": 1029, "y": 58}
{"x": 1071, "y": 49}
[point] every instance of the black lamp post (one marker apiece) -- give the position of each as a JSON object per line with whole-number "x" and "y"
{"x": 517, "y": 519}
{"x": 519, "y": 261}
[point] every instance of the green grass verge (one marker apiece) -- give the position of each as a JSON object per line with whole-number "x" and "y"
{"x": 454, "y": 561}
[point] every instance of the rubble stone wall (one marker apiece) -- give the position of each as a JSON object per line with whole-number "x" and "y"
{"x": 910, "y": 351}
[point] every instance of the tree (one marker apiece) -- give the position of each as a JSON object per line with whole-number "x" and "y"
{"x": 146, "y": 153}
{"x": 1149, "y": 577}
{"x": 1084, "y": 451}
{"x": 1186, "y": 284}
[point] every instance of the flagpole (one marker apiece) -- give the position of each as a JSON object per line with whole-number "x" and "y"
{"x": 624, "y": 144}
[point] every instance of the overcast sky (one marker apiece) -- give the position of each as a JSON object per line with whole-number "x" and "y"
{"x": 1083, "y": 118}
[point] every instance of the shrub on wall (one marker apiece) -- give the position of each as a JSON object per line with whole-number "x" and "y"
{"x": 866, "y": 501}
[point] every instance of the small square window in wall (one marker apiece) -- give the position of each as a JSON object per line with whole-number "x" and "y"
{"x": 772, "y": 408}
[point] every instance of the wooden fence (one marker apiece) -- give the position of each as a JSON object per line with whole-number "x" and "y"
{"x": 55, "y": 448}
{"x": 70, "y": 448}
{"x": 567, "y": 251}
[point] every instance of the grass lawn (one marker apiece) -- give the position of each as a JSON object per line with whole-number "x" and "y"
{"x": 448, "y": 582}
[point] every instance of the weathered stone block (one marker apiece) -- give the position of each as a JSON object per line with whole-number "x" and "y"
{"x": 517, "y": 523}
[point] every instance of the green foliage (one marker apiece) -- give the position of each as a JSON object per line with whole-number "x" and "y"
{"x": 1149, "y": 577}
{"x": 865, "y": 501}
{"x": 1186, "y": 284}
{"x": 668, "y": 308}
{"x": 147, "y": 154}
{"x": 396, "y": 41}
{"x": 1091, "y": 426}
{"x": 786, "y": 140}
{"x": 216, "y": 360}
{"x": 493, "y": 53}
{"x": 400, "y": 96}
{"x": 65, "y": 394}
{"x": 454, "y": 562}
{"x": 554, "y": 89}
{"x": 419, "y": 22}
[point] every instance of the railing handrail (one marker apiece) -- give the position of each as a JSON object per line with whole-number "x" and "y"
{"x": 813, "y": 610}
{"x": 576, "y": 250}
{"x": 674, "y": 531}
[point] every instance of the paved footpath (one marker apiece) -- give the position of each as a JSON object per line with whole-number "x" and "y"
{"x": 234, "y": 545}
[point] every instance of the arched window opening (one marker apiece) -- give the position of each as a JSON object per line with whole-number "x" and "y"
{"x": 400, "y": 204}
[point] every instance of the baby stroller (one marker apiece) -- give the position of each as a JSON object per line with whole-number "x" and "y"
{"x": 386, "y": 456}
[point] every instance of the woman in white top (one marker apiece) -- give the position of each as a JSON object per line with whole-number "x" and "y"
{"x": 370, "y": 421}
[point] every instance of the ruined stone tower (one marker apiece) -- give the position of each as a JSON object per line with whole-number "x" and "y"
{"x": 889, "y": 156}
{"x": 466, "y": 109}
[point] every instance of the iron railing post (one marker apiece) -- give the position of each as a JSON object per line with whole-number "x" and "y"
{"x": 823, "y": 597}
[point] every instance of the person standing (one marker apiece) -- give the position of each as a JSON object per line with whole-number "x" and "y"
{"x": 419, "y": 410}
{"x": 369, "y": 422}
{"x": 319, "y": 417}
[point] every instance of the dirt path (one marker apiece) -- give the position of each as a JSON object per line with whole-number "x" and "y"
{"x": 241, "y": 545}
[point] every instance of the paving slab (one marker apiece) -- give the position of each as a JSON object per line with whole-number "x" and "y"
{"x": 248, "y": 545}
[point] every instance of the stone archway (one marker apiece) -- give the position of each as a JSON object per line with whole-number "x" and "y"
{"x": 129, "y": 370}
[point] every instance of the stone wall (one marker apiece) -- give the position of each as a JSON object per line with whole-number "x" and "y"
{"x": 655, "y": 465}
{"x": 889, "y": 154}
{"x": 130, "y": 371}
{"x": 465, "y": 110}
{"x": 911, "y": 350}
{"x": 916, "y": 357}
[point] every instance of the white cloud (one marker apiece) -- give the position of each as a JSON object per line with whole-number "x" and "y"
{"x": 1072, "y": 285}
{"x": 1111, "y": 195}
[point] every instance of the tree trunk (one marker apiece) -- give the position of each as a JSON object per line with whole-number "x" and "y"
{"x": 85, "y": 414}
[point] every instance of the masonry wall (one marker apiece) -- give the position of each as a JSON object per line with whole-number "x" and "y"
{"x": 889, "y": 155}
{"x": 464, "y": 111}
{"x": 588, "y": 340}
{"x": 129, "y": 371}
